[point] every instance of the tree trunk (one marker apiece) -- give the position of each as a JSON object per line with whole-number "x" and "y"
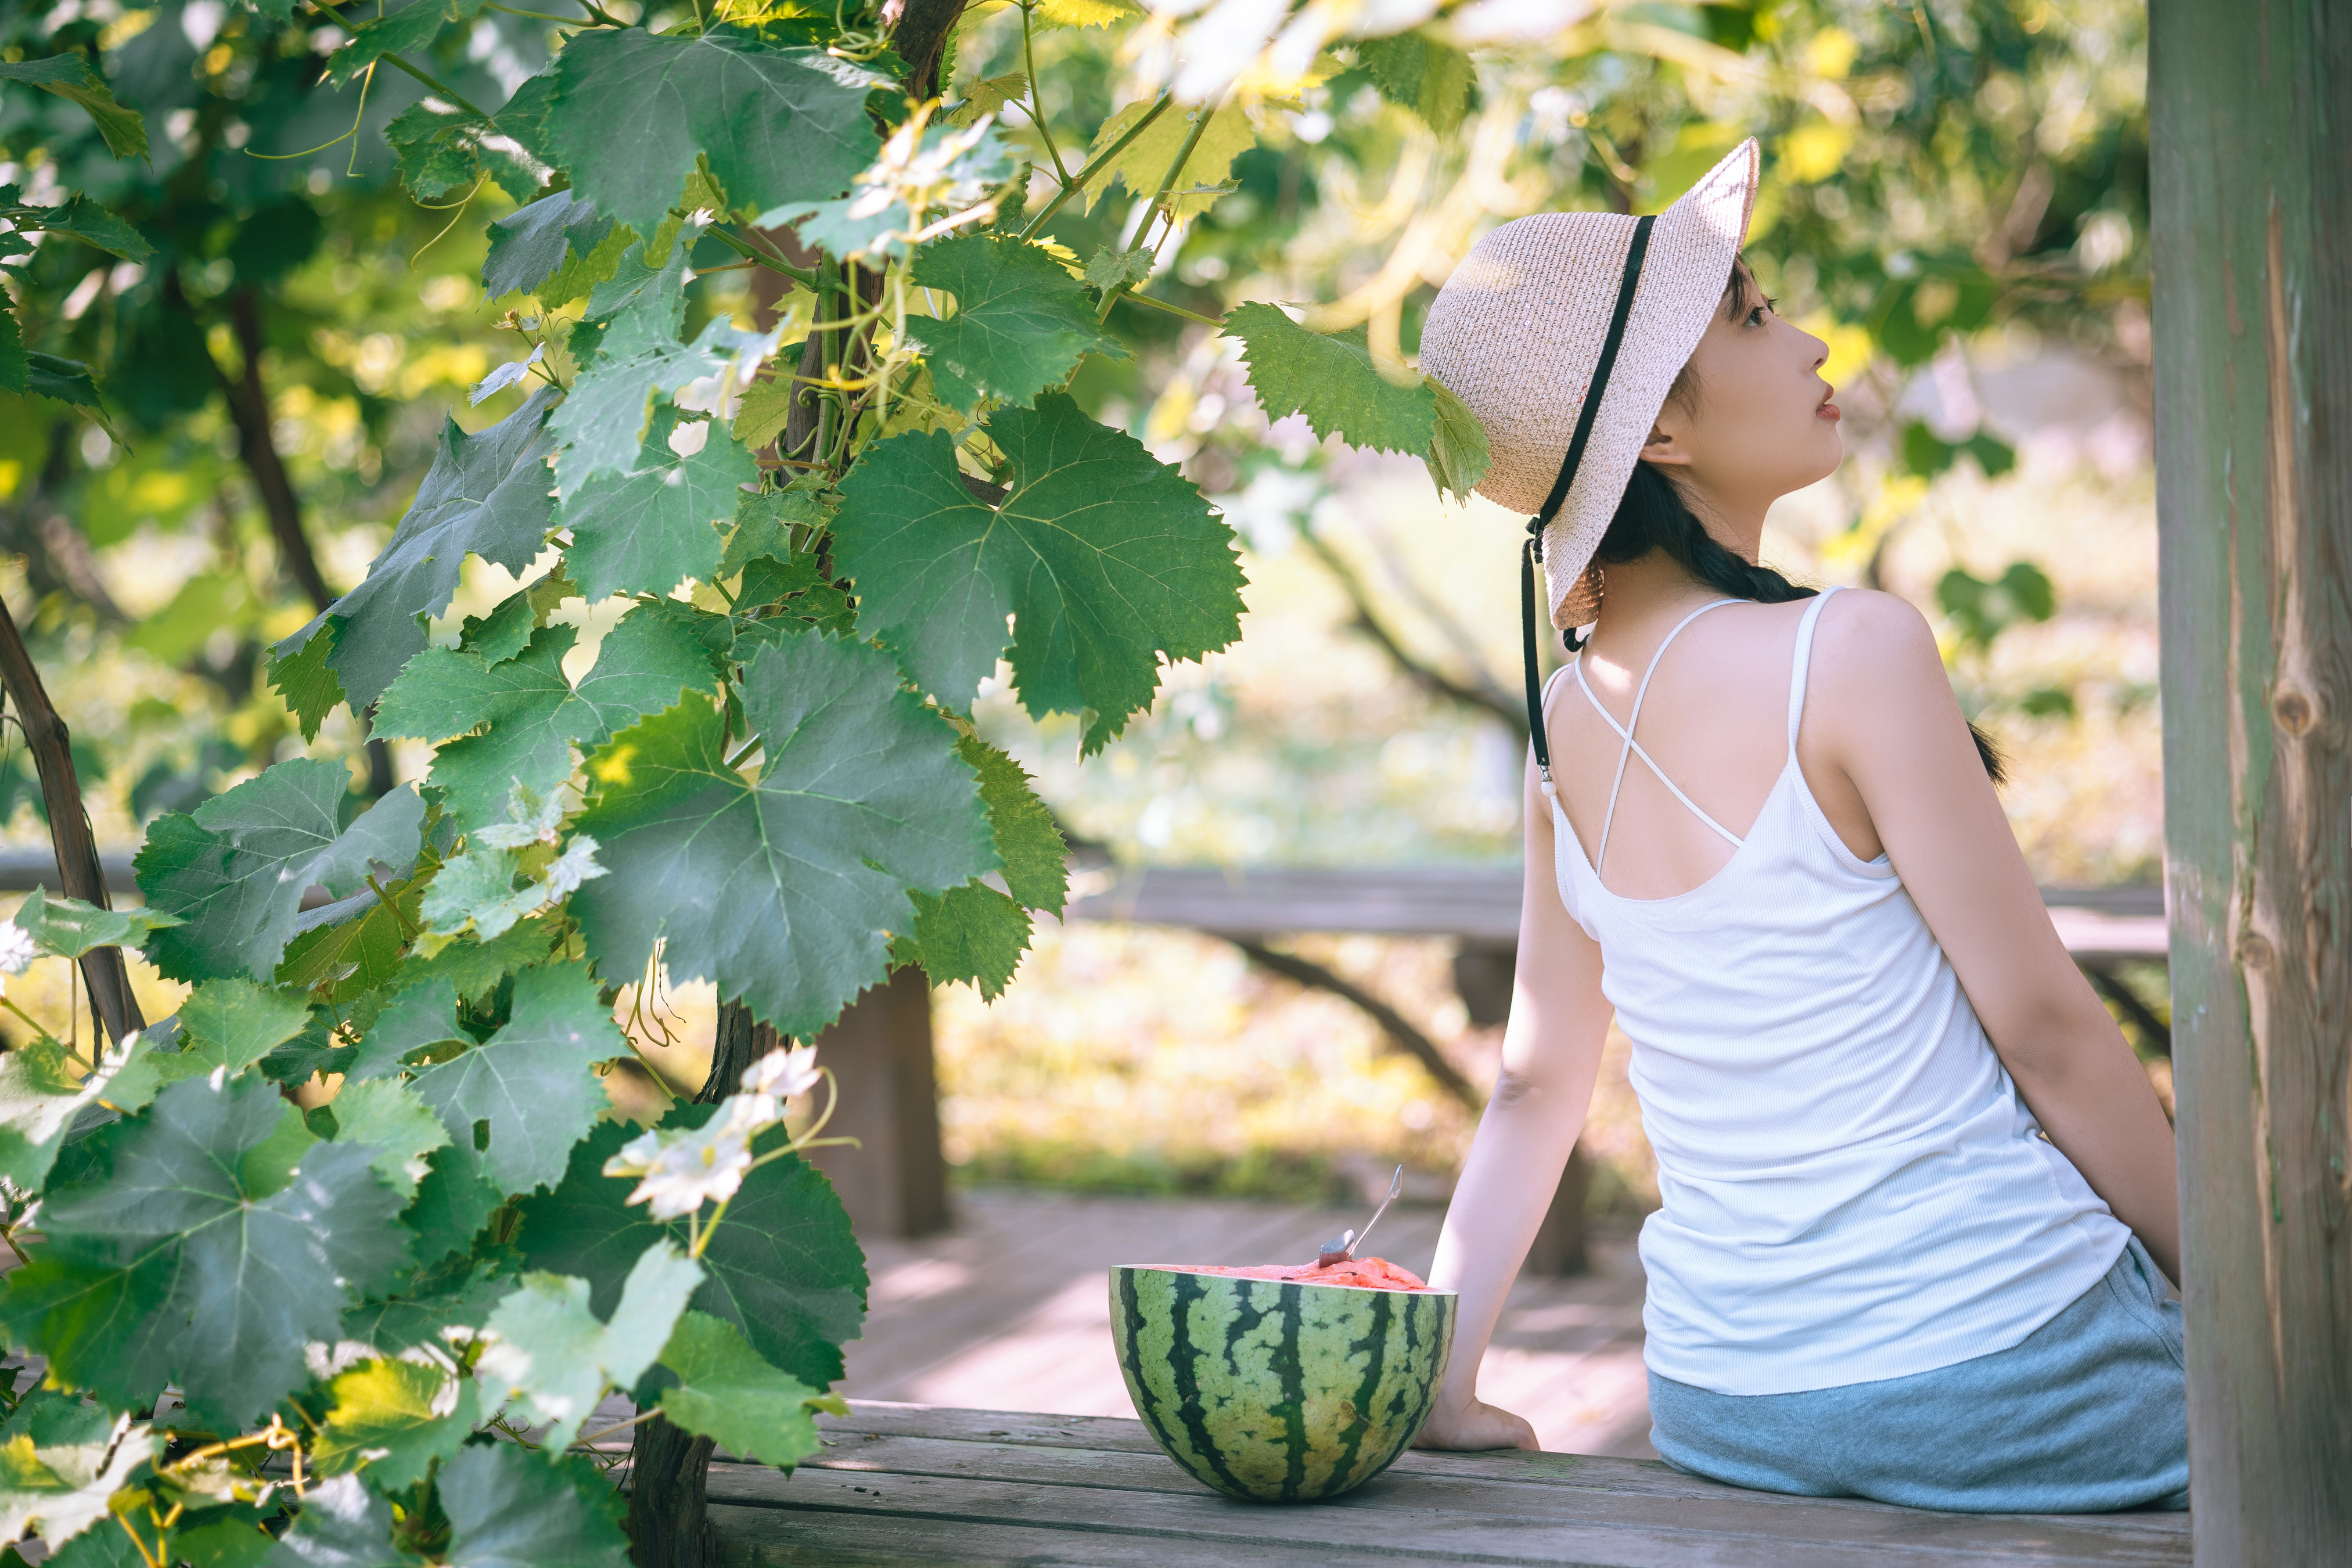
{"x": 78, "y": 872}
{"x": 669, "y": 1518}
{"x": 2251, "y": 109}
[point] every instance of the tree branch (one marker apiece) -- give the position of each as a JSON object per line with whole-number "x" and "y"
{"x": 1393, "y": 1024}
{"x": 1484, "y": 696}
{"x": 78, "y": 872}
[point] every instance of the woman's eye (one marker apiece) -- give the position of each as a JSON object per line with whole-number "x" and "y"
{"x": 1756, "y": 316}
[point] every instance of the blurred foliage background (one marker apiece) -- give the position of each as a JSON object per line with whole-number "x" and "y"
{"x": 1955, "y": 197}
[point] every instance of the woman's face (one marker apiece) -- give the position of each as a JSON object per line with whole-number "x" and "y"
{"x": 1755, "y": 422}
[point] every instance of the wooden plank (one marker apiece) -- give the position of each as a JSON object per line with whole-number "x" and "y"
{"x": 1480, "y": 905}
{"x": 768, "y": 1538}
{"x": 2251, "y": 110}
{"x": 1421, "y": 1517}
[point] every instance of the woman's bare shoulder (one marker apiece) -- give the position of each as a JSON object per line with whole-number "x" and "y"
{"x": 1873, "y": 637}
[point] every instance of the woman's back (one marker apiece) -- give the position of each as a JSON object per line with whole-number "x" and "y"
{"x": 1852, "y": 1189}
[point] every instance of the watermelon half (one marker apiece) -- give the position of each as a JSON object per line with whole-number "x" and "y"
{"x": 1275, "y": 1390}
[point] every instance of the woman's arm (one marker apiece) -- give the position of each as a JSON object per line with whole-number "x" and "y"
{"x": 1881, "y": 713}
{"x": 1551, "y": 1055}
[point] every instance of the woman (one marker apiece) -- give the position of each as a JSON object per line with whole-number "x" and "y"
{"x": 1917, "y": 1197}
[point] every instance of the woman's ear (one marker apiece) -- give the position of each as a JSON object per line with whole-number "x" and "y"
{"x": 1665, "y": 446}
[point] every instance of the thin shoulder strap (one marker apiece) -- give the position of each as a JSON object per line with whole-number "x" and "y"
{"x": 1802, "y": 661}
{"x": 1633, "y": 748}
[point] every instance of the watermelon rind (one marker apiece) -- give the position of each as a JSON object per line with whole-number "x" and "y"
{"x": 1273, "y": 1390}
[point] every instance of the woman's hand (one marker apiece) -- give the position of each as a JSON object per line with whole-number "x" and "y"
{"x": 1476, "y": 1426}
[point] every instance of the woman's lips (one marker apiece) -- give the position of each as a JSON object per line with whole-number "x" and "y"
{"x": 1828, "y": 410}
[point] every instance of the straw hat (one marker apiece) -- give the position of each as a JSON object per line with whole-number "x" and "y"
{"x": 1524, "y": 323}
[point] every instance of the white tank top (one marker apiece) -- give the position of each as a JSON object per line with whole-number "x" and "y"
{"x": 1850, "y": 1188}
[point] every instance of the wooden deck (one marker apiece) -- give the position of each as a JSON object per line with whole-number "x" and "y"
{"x": 906, "y": 1484}
{"x": 1012, "y": 1311}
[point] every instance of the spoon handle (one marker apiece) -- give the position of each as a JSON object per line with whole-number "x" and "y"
{"x": 1396, "y": 1185}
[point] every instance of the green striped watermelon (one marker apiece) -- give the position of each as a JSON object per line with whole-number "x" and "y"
{"x": 1274, "y": 1390}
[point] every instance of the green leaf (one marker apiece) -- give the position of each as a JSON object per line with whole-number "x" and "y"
{"x": 70, "y": 75}
{"x": 487, "y": 494}
{"x": 1036, "y": 860}
{"x": 454, "y": 1202}
{"x": 765, "y": 523}
{"x": 529, "y": 715}
{"x": 416, "y": 1017}
{"x": 17, "y": 370}
{"x": 1107, "y": 268}
{"x": 389, "y": 1118}
{"x": 1022, "y": 324}
{"x": 766, "y": 409}
{"x": 633, "y": 111}
{"x": 626, "y": 359}
{"x": 66, "y": 380}
{"x": 235, "y": 870}
{"x": 230, "y": 1542}
{"x": 475, "y": 968}
{"x": 233, "y": 1024}
{"x": 783, "y": 1266}
{"x": 533, "y": 1082}
{"x": 341, "y": 1525}
{"x": 972, "y": 933}
{"x": 1104, "y": 558}
{"x": 1143, "y": 164}
{"x": 59, "y": 1461}
{"x": 189, "y": 1250}
{"x": 508, "y": 1507}
{"x": 343, "y": 956}
{"x": 83, "y": 219}
{"x": 43, "y": 1089}
{"x": 407, "y": 31}
{"x": 726, "y": 1393}
{"x": 305, "y": 678}
{"x": 1330, "y": 378}
{"x": 69, "y": 928}
{"x": 398, "y": 1418}
{"x": 552, "y": 1358}
{"x": 443, "y": 1295}
{"x": 1417, "y": 72}
{"x": 872, "y": 220}
{"x": 783, "y": 891}
{"x": 658, "y": 526}
{"x": 528, "y": 245}
{"x": 1458, "y": 457}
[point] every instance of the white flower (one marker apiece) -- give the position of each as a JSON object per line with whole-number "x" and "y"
{"x": 16, "y": 949}
{"x": 687, "y": 1167}
{"x": 783, "y": 1074}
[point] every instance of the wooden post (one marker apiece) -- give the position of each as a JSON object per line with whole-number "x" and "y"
{"x": 2251, "y": 117}
{"x": 896, "y": 1182}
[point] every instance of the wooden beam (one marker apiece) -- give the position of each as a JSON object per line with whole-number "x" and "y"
{"x": 2250, "y": 109}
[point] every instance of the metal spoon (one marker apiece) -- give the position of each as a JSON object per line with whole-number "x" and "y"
{"x": 1341, "y": 1247}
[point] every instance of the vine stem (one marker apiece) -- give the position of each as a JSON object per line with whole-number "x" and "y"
{"x": 1134, "y": 299}
{"x": 1095, "y": 166}
{"x": 1159, "y": 203}
{"x": 752, "y": 253}
{"x": 1035, "y": 106}
{"x": 36, "y": 1024}
{"x": 399, "y": 63}
{"x": 407, "y": 931}
{"x": 594, "y": 1437}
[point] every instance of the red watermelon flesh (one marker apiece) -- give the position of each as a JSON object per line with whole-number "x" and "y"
{"x": 1363, "y": 1273}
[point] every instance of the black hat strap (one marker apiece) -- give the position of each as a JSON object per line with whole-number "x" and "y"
{"x": 1533, "y": 552}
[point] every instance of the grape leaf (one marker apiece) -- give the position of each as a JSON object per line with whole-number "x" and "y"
{"x": 726, "y": 1393}
{"x": 438, "y": 1297}
{"x": 633, "y": 110}
{"x": 532, "y": 1082}
{"x": 1330, "y": 378}
{"x": 406, "y": 31}
{"x": 59, "y": 1461}
{"x": 780, "y": 891}
{"x": 454, "y": 1201}
{"x": 235, "y": 870}
{"x": 487, "y": 494}
{"x": 70, "y": 75}
{"x": 338, "y": 960}
{"x": 1417, "y": 73}
{"x": 1458, "y": 457}
{"x": 42, "y": 1090}
{"x": 389, "y": 1119}
{"x": 384, "y": 1417}
{"x": 69, "y": 928}
{"x": 190, "y": 1248}
{"x": 475, "y": 968}
{"x": 1143, "y": 164}
{"x": 534, "y": 715}
{"x": 960, "y": 167}
{"x": 550, "y": 1357}
{"x": 509, "y": 1508}
{"x": 1021, "y": 325}
{"x": 652, "y": 528}
{"x": 764, "y": 524}
{"x": 1108, "y": 268}
{"x": 306, "y": 680}
{"x": 341, "y": 1525}
{"x": 783, "y": 1267}
{"x": 972, "y": 934}
{"x": 1036, "y": 860}
{"x": 234, "y": 1024}
{"x": 418, "y": 1015}
{"x": 1104, "y": 558}
{"x": 83, "y": 219}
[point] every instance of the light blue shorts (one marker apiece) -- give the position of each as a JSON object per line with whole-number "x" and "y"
{"x": 2087, "y": 1414}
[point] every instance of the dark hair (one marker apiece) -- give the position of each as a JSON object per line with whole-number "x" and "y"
{"x": 1654, "y": 515}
